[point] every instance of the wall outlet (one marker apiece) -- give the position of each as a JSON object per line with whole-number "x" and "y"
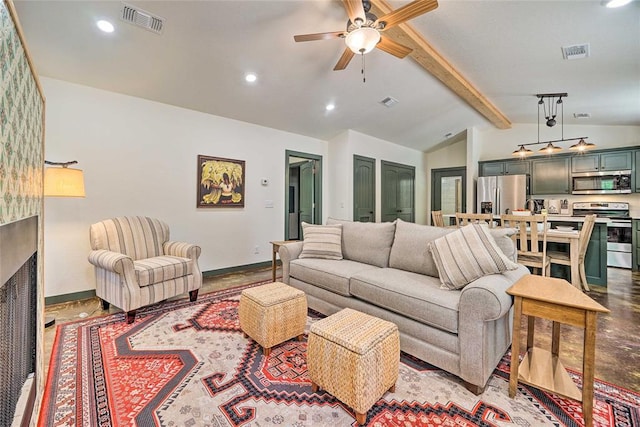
{"x": 256, "y": 250}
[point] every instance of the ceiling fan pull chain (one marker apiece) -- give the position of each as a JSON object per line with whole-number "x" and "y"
{"x": 362, "y": 71}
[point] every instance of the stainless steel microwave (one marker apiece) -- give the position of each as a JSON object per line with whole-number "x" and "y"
{"x": 602, "y": 182}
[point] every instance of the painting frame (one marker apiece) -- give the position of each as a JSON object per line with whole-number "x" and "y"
{"x": 221, "y": 182}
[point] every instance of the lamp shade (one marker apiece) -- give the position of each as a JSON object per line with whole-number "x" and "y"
{"x": 362, "y": 40}
{"x": 63, "y": 182}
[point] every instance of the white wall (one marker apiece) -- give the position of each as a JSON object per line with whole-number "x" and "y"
{"x": 139, "y": 158}
{"x": 500, "y": 144}
{"x": 345, "y": 146}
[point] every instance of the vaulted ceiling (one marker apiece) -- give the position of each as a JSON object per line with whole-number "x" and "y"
{"x": 489, "y": 59}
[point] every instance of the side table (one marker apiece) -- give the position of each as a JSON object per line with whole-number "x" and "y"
{"x": 275, "y": 246}
{"x": 556, "y": 300}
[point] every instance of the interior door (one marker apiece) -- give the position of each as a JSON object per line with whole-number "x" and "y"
{"x": 448, "y": 190}
{"x": 364, "y": 189}
{"x": 398, "y": 195}
{"x": 306, "y": 194}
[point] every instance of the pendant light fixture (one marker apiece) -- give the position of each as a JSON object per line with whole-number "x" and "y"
{"x": 549, "y": 102}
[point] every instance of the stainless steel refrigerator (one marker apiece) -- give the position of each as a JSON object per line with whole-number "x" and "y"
{"x": 501, "y": 194}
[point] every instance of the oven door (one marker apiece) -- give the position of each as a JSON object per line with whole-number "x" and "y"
{"x": 619, "y": 244}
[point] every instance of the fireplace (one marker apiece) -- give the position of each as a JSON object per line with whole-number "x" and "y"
{"x": 18, "y": 316}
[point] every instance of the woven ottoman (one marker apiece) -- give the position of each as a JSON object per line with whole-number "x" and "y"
{"x": 355, "y": 357}
{"x": 272, "y": 314}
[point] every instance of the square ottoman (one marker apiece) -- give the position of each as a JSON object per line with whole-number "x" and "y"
{"x": 272, "y": 314}
{"x": 355, "y": 357}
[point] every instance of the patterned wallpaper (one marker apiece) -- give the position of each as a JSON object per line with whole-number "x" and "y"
{"x": 21, "y": 138}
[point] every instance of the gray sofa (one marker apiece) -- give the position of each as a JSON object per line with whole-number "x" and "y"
{"x": 388, "y": 272}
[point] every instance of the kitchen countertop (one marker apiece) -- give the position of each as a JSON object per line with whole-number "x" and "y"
{"x": 566, "y": 218}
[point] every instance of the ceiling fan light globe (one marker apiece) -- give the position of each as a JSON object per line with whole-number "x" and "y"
{"x": 362, "y": 40}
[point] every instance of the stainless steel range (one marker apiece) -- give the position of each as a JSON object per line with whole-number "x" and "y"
{"x": 618, "y": 229}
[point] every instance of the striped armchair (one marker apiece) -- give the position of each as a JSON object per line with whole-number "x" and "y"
{"x": 136, "y": 264}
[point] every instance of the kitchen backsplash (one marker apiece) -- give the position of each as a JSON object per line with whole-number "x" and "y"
{"x": 633, "y": 199}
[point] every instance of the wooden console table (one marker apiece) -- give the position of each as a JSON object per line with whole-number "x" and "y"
{"x": 275, "y": 246}
{"x": 558, "y": 301}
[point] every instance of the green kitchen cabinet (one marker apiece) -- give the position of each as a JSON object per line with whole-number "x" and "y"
{"x": 550, "y": 175}
{"x": 637, "y": 172}
{"x": 611, "y": 161}
{"x": 505, "y": 167}
{"x": 595, "y": 263}
{"x": 635, "y": 243}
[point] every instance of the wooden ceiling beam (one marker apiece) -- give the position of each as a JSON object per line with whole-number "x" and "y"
{"x": 433, "y": 62}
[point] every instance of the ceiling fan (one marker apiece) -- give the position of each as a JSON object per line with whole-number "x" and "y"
{"x": 364, "y": 29}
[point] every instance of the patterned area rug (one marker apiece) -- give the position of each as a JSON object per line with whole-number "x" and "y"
{"x": 188, "y": 364}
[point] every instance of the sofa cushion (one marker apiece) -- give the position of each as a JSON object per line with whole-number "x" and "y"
{"x": 410, "y": 249}
{"x": 367, "y": 242}
{"x": 160, "y": 269}
{"x": 321, "y": 241}
{"x": 502, "y": 237}
{"x": 413, "y": 295}
{"x": 332, "y": 275}
{"x": 467, "y": 254}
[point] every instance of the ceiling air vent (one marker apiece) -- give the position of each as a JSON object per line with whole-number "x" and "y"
{"x": 142, "y": 18}
{"x": 582, "y": 115}
{"x": 389, "y": 102}
{"x": 577, "y": 51}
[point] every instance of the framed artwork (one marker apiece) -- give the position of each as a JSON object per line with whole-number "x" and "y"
{"x": 220, "y": 182}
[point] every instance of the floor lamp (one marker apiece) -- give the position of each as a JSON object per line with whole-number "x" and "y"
{"x": 62, "y": 181}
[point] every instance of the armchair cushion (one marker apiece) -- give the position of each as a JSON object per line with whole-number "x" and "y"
{"x": 160, "y": 269}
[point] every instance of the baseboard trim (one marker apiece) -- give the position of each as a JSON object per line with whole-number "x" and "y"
{"x": 75, "y": 296}
{"x": 221, "y": 271}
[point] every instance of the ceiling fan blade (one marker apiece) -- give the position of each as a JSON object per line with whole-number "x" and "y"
{"x": 354, "y": 9}
{"x": 318, "y": 36}
{"x": 395, "y": 49}
{"x": 344, "y": 60}
{"x": 406, "y": 12}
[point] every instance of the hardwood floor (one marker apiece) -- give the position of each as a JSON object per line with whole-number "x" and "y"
{"x": 617, "y": 338}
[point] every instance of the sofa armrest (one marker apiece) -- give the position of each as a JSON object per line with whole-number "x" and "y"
{"x": 181, "y": 249}
{"x": 111, "y": 261}
{"x": 485, "y": 324}
{"x": 288, "y": 252}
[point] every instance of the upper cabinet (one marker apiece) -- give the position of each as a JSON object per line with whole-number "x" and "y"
{"x": 637, "y": 169}
{"x": 612, "y": 161}
{"x": 505, "y": 167}
{"x": 550, "y": 175}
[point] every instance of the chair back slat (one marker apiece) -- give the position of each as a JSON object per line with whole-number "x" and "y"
{"x": 463, "y": 219}
{"x": 585, "y": 234}
{"x": 438, "y": 219}
{"x": 531, "y": 237}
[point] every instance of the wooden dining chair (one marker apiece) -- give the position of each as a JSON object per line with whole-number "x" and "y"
{"x": 438, "y": 219}
{"x": 531, "y": 240}
{"x": 563, "y": 258}
{"x": 463, "y": 219}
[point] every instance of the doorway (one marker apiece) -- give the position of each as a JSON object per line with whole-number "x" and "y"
{"x": 303, "y": 192}
{"x": 448, "y": 191}
{"x": 398, "y": 184}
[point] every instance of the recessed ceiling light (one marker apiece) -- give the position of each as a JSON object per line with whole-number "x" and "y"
{"x": 105, "y": 26}
{"x": 330, "y": 107}
{"x": 251, "y": 77}
{"x": 616, "y": 3}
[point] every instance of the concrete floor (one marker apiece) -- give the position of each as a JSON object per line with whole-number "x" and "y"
{"x": 617, "y": 339}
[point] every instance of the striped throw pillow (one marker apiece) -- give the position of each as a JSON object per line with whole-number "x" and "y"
{"x": 466, "y": 255}
{"x": 322, "y": 241}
